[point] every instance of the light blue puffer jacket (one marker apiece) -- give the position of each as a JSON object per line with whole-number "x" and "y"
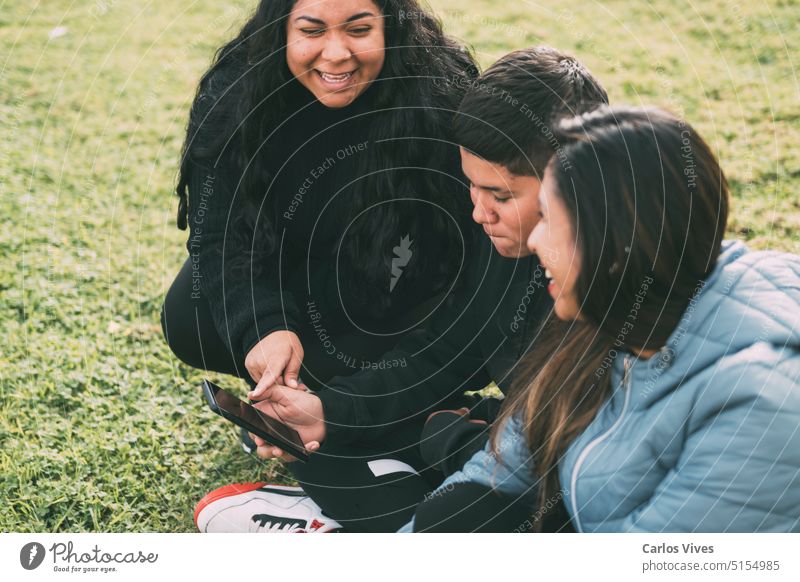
{"x": 702, "y": 437}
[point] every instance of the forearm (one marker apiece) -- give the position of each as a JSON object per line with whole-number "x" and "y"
{"x": 369, "y": 404}
{"x": 449, "y": 440}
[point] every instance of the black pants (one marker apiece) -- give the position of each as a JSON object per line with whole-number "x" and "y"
{"x": 471, "y": 507}
{"x": 372, "y": 487}
{"x": 190, "y": 332}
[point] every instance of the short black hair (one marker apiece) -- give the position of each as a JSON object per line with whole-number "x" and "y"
{"x": 506, "y": 114}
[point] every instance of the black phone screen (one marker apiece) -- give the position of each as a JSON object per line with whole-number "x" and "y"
{"x": 257, "y": 422}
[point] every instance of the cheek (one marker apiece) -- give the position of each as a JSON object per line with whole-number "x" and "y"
{"x": 372, "y": 56}
{"x": 369, "y": 50}
{"x": 528, "y": 224}
{"x": 573, "y": 266}
{"x": 293, "y": 59}
{"x": 547, "y": 249}
{"x": 568, "y": 252}
{"x": 507, "y": 216}
{"x": 376, "y": 45}
{"x": 299, "y": 54}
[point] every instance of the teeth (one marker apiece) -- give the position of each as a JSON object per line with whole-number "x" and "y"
{"x": 548, "y": 274}
{"x": 335, "y": 78}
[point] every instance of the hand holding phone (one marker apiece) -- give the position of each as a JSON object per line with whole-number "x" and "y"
{"x": 255, "y": 421}
{"x": 299, "y": 409}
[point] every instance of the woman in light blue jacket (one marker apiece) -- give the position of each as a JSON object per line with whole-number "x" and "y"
{"x": 666, "y": 393}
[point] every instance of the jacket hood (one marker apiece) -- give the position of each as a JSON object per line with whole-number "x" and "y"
{"x": 750, "y": 298}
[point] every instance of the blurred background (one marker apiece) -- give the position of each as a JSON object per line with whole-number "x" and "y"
{"x": 101, "y": 429}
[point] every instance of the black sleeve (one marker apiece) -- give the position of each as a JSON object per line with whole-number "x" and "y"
{"x": 429, "y": 367}
{"x": 449, "y": 440}
{"x": 245, "y": 309}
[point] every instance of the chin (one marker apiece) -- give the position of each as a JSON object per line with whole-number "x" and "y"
{"x": 336, "y": 100}
{"x": 566, "y": 312}
{"x": 511, "y": 250}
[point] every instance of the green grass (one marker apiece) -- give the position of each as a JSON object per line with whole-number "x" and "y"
{"x": 100, "y": 428}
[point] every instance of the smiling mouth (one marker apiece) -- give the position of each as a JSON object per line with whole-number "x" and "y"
{"x": 332, "y": 79}
{"x": 551, "y": 284}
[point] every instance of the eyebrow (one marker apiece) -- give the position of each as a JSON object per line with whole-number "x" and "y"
{"x": 495, "y": 189}
{"x": 489, "y": 188}
{"x": 322, "y": 22}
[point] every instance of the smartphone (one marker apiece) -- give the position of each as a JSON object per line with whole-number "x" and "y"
{"x": 250, "y": 418}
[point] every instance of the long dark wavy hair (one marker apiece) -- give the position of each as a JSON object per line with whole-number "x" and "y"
{"x": 648, "y": 203}
{"x": 241, "y": 99}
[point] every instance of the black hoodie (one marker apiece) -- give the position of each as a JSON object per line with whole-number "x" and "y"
{"x": 313, "y": 177}
{"x": 479, "y": 336}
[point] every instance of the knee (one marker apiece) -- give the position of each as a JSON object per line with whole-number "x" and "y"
{"x": 178, "y": 319}
{"x": 190, "y": 334}
{"x": 170, "y": 333}
{"x": 173, "y": 328}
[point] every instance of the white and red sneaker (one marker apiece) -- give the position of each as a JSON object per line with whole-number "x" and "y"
{"x": 261, "y": 508}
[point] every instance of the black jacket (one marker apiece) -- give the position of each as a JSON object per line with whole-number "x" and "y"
{"x": 478, "y": 337}
{"x": 311, "y": 191}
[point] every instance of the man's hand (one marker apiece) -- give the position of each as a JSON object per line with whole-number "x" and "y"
{"x": 463, "y": 411}
{"x": 297, "y": 409}
{"x": 276, "y": 359}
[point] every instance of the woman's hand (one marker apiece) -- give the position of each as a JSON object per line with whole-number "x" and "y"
{"x": 276, "y": 359}
{"x": 297, "y": 409}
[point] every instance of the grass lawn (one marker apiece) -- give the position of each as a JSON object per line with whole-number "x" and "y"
{"x": 100, "y": 428}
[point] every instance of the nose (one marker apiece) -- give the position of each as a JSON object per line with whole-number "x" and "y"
{"x": 533, "y": 239}
{"x": 481, "y": 213}
{"x": 336, "y": 49}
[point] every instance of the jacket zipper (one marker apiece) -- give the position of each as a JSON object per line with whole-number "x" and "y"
{"x": 585, "y": 452}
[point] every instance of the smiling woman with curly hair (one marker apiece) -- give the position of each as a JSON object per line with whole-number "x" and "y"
{"x": 327, "y": 210}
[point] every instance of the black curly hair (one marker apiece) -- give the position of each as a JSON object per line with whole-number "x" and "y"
{"x": 242, "y": 98}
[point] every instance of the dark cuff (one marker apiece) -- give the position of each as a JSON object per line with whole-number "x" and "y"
{"x": 449, "y": 440}
{"x": 265, "y": 326}
{"x": 341, "y": 416}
